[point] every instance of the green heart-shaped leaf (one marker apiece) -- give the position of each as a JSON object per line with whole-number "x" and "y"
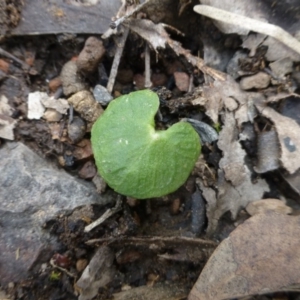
{"x": 133, "y": 158}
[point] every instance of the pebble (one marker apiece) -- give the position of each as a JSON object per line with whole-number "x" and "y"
{"x": 88, "y": 171}
{"x": 175, "y": 206}
{"x": 182, "y": 81}
{"x": 258, "y": 81}
{"x": 139, "y": 81}
{"x": 81, "y": 264}
{"x": 102, "y": 95}
{"x": 76, "y": 130}
{"x": 52, "y": 115}
{"x": 54, "y": 84}
{"x": 35, "y": 107}
{"x": 90, "y": 56}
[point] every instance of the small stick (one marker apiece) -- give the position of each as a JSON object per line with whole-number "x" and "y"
{"x": 105, "y": 216}
{"x": 148, "y": 82}
{"x": 114, "y": 69}
{"x": 21, "y": 63}
{"x": 119, "y": 21}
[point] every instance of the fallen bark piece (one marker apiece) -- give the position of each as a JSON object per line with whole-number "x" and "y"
{"x": 260, "y": 256}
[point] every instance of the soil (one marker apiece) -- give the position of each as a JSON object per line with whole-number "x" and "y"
{"x": 138, "y": 262}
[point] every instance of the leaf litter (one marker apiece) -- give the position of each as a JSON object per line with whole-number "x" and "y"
{"x": 247, "y": 262}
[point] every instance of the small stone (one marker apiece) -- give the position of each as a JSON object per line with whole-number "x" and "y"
{"x": 91, "y": 55}
{"x": 83, "y": 150}
{"x": 4, "y": 66}
{"x": 54, "y": 84}
{"x": 100, "y": 184}
{"x": 175, "y": 206}
{"x": 102, "y": 95}
{"x": 258, "y": 81}
{"x": 139, "y": 81}
{"x": 81, "y": 264}
{"x": 88, "y": 171}
{"x": 182, "y": 81}
{"x": 35, "y": 107}
{"x": 85, "y": 104}
{"x": 76, "y": 130}
{"x": 51, "y": 115}
{"x": 282, "y": 67}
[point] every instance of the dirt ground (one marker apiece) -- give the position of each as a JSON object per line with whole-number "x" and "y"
{"x": 157, "y": 248}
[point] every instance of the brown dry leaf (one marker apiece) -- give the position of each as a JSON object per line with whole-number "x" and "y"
{"x": 265, "y": 205}
{"x": 220, "y": 93}
{"x": 261, "y": 256}
{"x": 235, "y": 187}
{"x": 157, "y": 292}
{"x": 288, "y": 132}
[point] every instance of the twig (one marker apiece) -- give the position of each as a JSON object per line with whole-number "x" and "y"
{"x": 21, "y": 63}
{"x": 105, "y": 216}
{"x": 250, "y": 24}
{"x": 148, "y": 82}
{"x": 114, "y": 69}
{"x": 119, "y": 21}
{"x": 52, "y": 263}
{"x": 146, "y": 240}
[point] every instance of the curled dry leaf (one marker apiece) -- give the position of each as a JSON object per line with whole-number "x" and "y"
{"x": 288, "y": 132}
{"x": 265, "y": 205}
{"x": 260, "y": 256}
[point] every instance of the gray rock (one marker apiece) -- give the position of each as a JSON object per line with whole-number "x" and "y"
{"x": 258, "y": 81}
{"x": 32, "y": 192}
{"x": 102, "y": 95}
